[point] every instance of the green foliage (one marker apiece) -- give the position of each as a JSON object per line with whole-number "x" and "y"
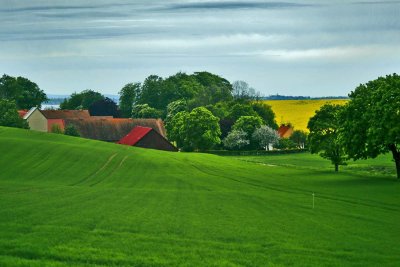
{"x": 71, "y": 131}
{"x": 215, "y": 89}
{"x": 248, "y": 124}
{"x": 265, "y": 137}
{"x": 239, "y": 110}
{"x": 145, "y": 111}
{"x": 24, "y": 92}
{"x": 325, "y": 137}
{"x": 82, "y": 100}
{"x": 9, "y": 115}
{"x": 128, "y": 97}
{"x": 371, "y": 121}
{"x": 104, "y": 107}
{"x": 174, "y": 108}
{"x": 197, "y": 130}
{"x": 236, "y": 139}
{"x": 299, "y": 138}
{"x": 285, "y": 144}
{"x": 265, "y": 112}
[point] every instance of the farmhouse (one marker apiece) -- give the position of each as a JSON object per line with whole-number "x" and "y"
{"x": 147, "y": 138}
{"x": 43, "y": 120}
{"x": 285, "y": 131}
{"x": 112, "y": 129}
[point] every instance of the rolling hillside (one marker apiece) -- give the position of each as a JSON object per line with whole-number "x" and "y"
{"x": 298, "y": 112}
{"x": 70, "y": 201}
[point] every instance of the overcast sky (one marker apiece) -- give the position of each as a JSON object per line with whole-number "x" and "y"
{"x": 315, "y": 48}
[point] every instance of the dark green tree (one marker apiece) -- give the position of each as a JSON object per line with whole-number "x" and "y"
{"x": 371, "y": 121}
{"x": 128, "y": 96}
{"x": 151, "y": 92}
{"x": 325, "y": 137}
{"x": 266, "y": 113}
{"x": 9, "y": 115}
{"x": 239, "y": 110}
{"x": 104, "y": 107}
{"x": 216, "y": 88}
{"x": 24, "y": 92}
{"x": 299, "y": 138}
{"x": 82, "y": 100}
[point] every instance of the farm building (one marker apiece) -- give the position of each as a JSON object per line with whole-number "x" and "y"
{"x": 285, "y": 131}
{"x": 43, "y": 120}
{"x": 112, "y": 129}
{"x": 147, "y": 138}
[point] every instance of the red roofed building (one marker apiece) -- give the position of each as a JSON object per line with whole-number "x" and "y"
{"x": 22, "y": 112}
{"x": 285, "y": 131}
{"x": 147, "y": 137}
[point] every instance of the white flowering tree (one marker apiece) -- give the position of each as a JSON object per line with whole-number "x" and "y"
{"x": 266, "y": 137}
{"x": 236, "y": 139}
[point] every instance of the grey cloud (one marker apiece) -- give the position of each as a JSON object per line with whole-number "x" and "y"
{"x": 235, "y": 5}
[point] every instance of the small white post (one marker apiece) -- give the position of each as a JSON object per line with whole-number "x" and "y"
{"x": 313, "y": 195}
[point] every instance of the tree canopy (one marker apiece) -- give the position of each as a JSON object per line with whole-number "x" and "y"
{"x": 9, "y": 115}
{"x": 128, "y": 96}
{"x": 371, "y": 121}
{"x": 104, "y": 107}
{"x": 195, "y": 130}
{"x": 324, "y": 137}
{"x": 24, "y": 92}
{"x": 82, "y": 100}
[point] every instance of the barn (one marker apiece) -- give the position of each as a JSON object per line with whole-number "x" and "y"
{"x": 43, "y": 120}
{"x": 147, "y": 137}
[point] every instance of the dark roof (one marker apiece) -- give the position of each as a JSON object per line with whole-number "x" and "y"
{"x": 112, "y": 130}
{"x": 65, "y": 114}
{"x": 135, "y": 135}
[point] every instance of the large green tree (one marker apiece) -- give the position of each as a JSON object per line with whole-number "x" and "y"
{"x": 9, "y": 115}
{"x": 266, "y": 113}
{"x": 324, "y": 137}
{"x": 104, "y": 107}
{"x": 24, "y": 92}
{"x": 128, "y": 96}
{"x": 82, "y": 100}
{"x": 195, "y": 130}
{"x": 371, "y": 121}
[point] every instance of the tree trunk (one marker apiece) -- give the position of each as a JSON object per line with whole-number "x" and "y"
{"x": 336, "y": 167}
{"x": 396, "y": 157}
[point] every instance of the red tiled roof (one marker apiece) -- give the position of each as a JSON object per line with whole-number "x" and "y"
{"x": 282, "y": 130}
{"x": 135, "y": 135}
{"x": 65, "y": 114}
{"x": 22, "y": 112}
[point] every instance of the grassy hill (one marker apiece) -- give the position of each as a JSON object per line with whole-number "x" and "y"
{"x": 298, "y": 112}
{"x": 69, "y": 201}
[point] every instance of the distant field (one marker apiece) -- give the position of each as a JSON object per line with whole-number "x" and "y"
{"x": 298, "y": 112}
{"x": 68, "y": 201}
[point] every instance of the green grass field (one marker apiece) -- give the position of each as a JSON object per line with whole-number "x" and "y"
{"x": 68, "y": 201}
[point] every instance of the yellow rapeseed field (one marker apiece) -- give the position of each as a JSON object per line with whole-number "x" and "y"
{"x": 298, "y": 112}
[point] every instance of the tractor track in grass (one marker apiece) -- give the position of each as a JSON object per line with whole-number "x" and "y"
{"x": 97, "y": 171}
{"x": 112, "y": 172}
{"x": 290, "y": 190}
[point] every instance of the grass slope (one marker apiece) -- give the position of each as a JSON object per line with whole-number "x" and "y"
{"x": 299, "y": 112}
{"x": 69, "y": 201}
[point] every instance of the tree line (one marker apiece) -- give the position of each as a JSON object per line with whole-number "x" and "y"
{"x": 367, "y": 126}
